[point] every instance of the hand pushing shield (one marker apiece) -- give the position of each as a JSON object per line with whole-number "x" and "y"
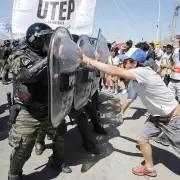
{"x": 62, "y": 64}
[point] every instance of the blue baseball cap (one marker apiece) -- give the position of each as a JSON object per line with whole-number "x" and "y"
{"x": 135, "y": 54}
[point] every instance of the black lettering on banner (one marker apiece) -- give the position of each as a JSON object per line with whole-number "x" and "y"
{"x": 62, "y": 4}
{"x": 71, "y": 8}
{"x": 54, "y": 5}
{"x": 65, "y": 9}
{"x": 40, "y": 9}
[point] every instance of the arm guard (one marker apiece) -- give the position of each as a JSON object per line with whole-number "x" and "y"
{"x": 34, "y": 73}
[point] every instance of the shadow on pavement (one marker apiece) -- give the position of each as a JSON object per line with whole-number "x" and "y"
{"x": 76, "y": 154}
{"x": 162, "y": 156}
{"x": 4, "y": 127}
{"x": 74, "y": 151}
{"x": 3, "y": 108}
{"x": 45, "y": 174}
{"x": 138, "y": 113}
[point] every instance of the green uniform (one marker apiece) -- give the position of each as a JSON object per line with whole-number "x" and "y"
{"x": 30, "y": 116}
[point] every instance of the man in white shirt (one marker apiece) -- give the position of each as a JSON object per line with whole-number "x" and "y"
{"x": 158, "y": 99}
{"x": 174, "y": 84}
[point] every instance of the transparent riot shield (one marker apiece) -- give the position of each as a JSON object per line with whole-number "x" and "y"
{"x": 102, "y": 48}
{"x": 62, "y": 64}
{"x": 84, "y": 75}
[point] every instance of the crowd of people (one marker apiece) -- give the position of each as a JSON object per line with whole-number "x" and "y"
{"x": 161, "y": 60}
{"x": 151, "y": 73}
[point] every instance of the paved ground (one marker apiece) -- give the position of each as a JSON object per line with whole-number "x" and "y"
{"x": 119, "y": 152}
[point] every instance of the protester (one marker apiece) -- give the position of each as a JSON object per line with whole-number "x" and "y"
{"x": 174, "y": 84}
{"x": 113, "y": 80}
{"x": 159, "y": 54}
{"x": 132, "y": 95}
{"x": 129, "y": 44}
{"x": 159, "y": 101}
{"x": 165, "y": 64}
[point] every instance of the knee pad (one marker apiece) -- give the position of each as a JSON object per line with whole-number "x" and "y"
{"x": 20, "y": 155}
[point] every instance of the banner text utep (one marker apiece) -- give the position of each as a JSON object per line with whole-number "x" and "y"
{"x": 64, "y": 7}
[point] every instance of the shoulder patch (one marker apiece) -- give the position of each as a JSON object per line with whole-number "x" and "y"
{"x": 25, "y": 62}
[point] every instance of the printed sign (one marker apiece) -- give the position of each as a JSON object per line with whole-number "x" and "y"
{"x": 157, "y": 44}
{"x": 76, "y": 15}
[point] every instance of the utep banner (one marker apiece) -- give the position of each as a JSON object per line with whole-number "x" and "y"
{"x": 76, "y": 15}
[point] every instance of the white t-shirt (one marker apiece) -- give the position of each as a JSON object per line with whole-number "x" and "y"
{"x": 159, "y": 52}
{"x": 176, "y": 64}
{"x": 114, "y": 61}
{"x": 153, "y": 92}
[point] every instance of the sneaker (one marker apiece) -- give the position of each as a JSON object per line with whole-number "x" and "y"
{"x": 144, "y": 171}
{"x": 124, "y": 91}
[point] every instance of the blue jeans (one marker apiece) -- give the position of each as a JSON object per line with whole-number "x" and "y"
{"x": 131, "y": 91}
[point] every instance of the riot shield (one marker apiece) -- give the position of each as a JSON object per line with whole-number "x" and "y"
{"x": 97, "y": 76}
{"x": 101, "y": 47}
{"x": 84, "y": 75}
{"x": 62, "y": 64}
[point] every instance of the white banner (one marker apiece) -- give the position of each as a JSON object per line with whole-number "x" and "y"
{"x": 76, "y": 15}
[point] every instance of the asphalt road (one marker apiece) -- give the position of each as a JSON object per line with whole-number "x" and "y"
{"x": 119, "y": 151}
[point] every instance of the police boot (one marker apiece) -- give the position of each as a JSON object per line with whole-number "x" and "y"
{"x": 59, "y": 164}
{"x": 16, "y": 165}
{"x": 40, "y": 144}
{"x": 57, "y": 158}
{"x": 84, "y": 131}
{"x": 14, "y": 177}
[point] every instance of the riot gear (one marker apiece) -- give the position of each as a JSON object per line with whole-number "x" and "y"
{"x": 21, "y": 46}
{"x": 15, "y": 43}
{"x": 36, "y": 34}
{"x": 7, "y": 43}
{"x": 62, "y": 66}
{"x": 30, "y": 88}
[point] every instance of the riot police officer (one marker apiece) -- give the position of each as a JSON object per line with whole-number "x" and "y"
{"x": 15, "y": 43}
{"x": 81, "y": 116}
{"x": 7, "y": 52}
{"x": 29, "y": 113}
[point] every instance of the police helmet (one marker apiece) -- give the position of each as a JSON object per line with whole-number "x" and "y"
{"x": 15, "y": 42}
{"x": 7, "y": 43}
{"x": 36, "y": 34}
